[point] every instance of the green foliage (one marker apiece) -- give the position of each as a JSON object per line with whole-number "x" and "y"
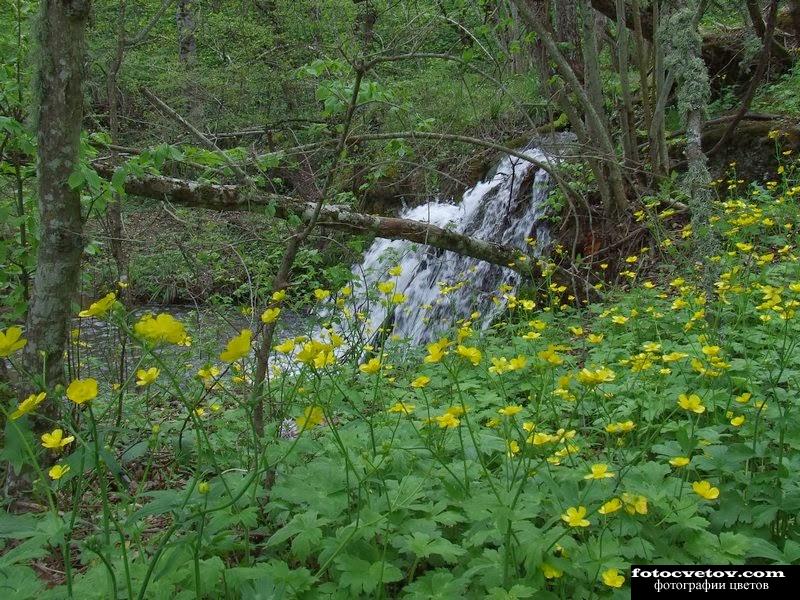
{"x": 365, "y": 485}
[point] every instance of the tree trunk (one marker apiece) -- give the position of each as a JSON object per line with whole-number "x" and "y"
{"x": 61, "y": 31}
{"x": 187, "y": 53}
{"x": 114, "y": 211}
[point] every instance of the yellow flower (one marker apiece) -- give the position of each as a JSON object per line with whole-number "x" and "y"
{"x": 550, "y": 356}
{"x": 540, "y": 438}
{"x": 574, "y": 517}
{"x": 673, "y": 356}
{"x": 599, "y": 471}
{"x": 208, "y": 373}
{"x": 576, "y": 331}
{"x": 705, "y": 490}
{"x": 436, "y": 351}
{"x": 619, "y": 320}
{"x": 594, "y": 338}
{"x": 610, "y": 507}
{"x": 510, "y": 410}
{"x": 371, "y": 367}
{"x": 28, "y": 405}
{"x": 551, "y": 572}
{"x": 286, "y": 346}
{"x": 82, "y": 390}
{"x": 162, "y": 328}
{"x": 144, "y": 378}
{"x": 396, "y": 271}
{"x": 692, "y": 403}
{"x": 386, "y": 287}
{"x": 312, "y": 416}
{"x": 612, "y": 578}
{"x": 55, "y": 440}
{"x": 238, "y": 347}
{"x": 421, "y": 382}
{"x": 680, "y": 461}
{"x": 473, "y": 355}
{"x": 402, "y": 407}
{"x": 517, "y": 363}
{"x": 203, "y": 488}
{"x": 101, "y": 307}
{"x": 270, "y": 315}
{"x": 321, "y": 294}
{"x": 512, "y": 448}
{"x": 634, "y": 504}
{"x": 447, "y": 420}
{"x": 58, "y": 471}
{"x": 622, "y": 427}
{"x": 11, "y": 341}
{"x": 279, "y": 296}
{"x": 737, "y": 421}
{"x": 595, "y": 378}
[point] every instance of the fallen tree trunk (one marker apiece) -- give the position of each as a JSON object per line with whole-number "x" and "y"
{"x": 223, "y": 197}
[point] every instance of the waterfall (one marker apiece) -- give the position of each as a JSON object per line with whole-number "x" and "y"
{"x": 508, "y": 207}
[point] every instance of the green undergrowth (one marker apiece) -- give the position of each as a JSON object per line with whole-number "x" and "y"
{"x": 539, "y": 458}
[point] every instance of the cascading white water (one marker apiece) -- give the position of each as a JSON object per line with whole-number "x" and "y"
{"x": 494, "y": 210}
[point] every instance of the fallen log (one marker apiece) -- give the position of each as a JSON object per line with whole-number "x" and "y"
{"x": 225, "y": 197}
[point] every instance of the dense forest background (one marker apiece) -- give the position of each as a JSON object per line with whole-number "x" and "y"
{"x": 204, "y": 383}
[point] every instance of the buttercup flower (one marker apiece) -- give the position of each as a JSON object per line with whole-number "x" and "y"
{"x": 574, "y": 517}
{"x": 58, "y": 471}
{"x": 371, "y": 367}
{"x": 447, "y": 420}
{"x": 612, "y": 578}
{"x": 705, "y": 490}
{"x": 55, "y": 440}
{"x": 82, "y": 390}
{"x": 101, "y": 307}
{"x": 421, "y": 381}
{"x": 611, "y": 506}
{"x": 679, "y": 461}
{"x": 473, "y": 355}
{"x": 402, "y": 407}
{"x": 163, "y": 328}
{"x": 551, "y": 572}
{"x": 145, "y": 378}
{"x": 599, "y": 471}
{"x": 510, "y": 410}
{"x": 28, "y": 405}
{"x": 691, "y": 403}
{"x": 270, "y": 315}
{"x": 238, "y": 347}
{"x": 312, "y": 416}
{"x": 11, "y": 340}
{"x": 634, "y": 504}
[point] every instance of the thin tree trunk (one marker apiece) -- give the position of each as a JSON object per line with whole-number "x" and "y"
{"x": 754, "y": 10}
{"x": 113, "y": 210}
{"x": 187, "y": 53}
{"x": 628, "y": 124}
{"x": 61, "y": 53}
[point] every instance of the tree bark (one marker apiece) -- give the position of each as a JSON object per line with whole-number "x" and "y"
{"x": 187, "y": 53}
{"x": 61, "y": 30}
